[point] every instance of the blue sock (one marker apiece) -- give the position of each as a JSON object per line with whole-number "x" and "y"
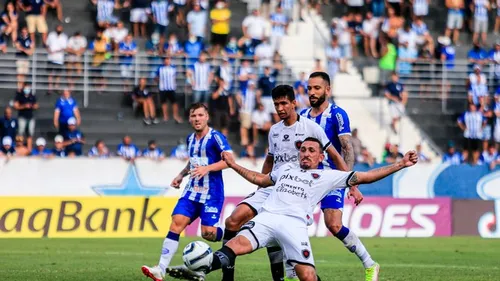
{"x": 220, "y": 234}
{"x": 342, "y": 234}
{"x": 173, "y": 236}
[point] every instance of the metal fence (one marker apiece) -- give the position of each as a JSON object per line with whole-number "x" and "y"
{"x": 112, "y": 75}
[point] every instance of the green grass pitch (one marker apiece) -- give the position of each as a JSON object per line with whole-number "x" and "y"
{"x": 438, "y": 259}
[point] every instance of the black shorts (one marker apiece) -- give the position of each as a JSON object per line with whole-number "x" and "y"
{"x": 472, "y": 144}
{"x": 218, "y": 39}
{"x": 355, "y": 10}
{"x": 170, "y": 96}
{"x": 54, "y": 68}
{"x": 220, "y": 119}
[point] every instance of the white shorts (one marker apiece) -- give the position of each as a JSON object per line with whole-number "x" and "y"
{"x": 126, "y": 70}
{"x": 487, "y": 133}
{"x": 496, "y": 134}
{"x": 396, "y": 110}
{"x": 256, "y": 199}
{"x": 480, "y": 26}
{"x": 139, "y": 15}
{"x": 455, "y": 20}
{"x": 268, "y": 104}
{"x": 290, "y": 233}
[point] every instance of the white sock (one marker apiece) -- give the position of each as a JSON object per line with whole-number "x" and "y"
{"x": 354, "y": 245}
{"x": 167, "y": 253}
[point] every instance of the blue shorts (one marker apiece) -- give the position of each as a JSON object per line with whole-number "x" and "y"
{"x": 334, "y": 200}
{"x": 208, "y": 212}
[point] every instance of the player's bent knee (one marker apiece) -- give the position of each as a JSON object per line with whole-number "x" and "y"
{"x": 334, "y": 227}
{"x": 305, "y": 272}
{"x": 240, "y": 216}
{"x": 209, "y": 235}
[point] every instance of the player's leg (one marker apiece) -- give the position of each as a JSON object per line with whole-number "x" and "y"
{"x": 332, "y": 206}
{"x": 306, "y": 272}
{"x": 210, "y": 217}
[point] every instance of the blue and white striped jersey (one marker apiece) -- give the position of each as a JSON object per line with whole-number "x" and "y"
{"x": 166, "y": 78}
{"x": 105, "y": 10}
{"x": 204, "y": 152}
{"x": 128, "y": 151}
{"x": 473, "y": 122}
{"x": 201, "y": 73}
{"x": 153, "y": 154}
{"x": 160, "y": 11}
{"x": 480, "y": 10}
{"x": 421, "y": 29}
{"x": 335, "y": 122}
{"x": 281, "y": 20}
{"x": 287, "y": 4}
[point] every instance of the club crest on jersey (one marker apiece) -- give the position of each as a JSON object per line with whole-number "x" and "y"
{"x": 306, "y": 253}
{"x": 298, "y": 144}
{"x": 315, "y": 176}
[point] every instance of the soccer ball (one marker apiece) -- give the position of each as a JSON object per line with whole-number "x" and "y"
{"x": 197, "y": 256}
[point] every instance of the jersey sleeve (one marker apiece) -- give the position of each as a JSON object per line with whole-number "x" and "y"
{"x": 221, "y": 143}
{"x": 274, "y": 174}
{"x": 343, "y": 124}
{"x": 338, "y": 179}
{"x": 320, "y": 134}
{"x": 270, "y": 150}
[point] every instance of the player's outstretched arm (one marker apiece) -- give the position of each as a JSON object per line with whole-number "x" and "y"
{"x": 251, "y": 176}
{"x": 337, "y": 159}
{"x": 374, "y": 175}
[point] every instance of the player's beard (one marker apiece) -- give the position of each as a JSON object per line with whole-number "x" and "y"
{"x": 319, "y": 101}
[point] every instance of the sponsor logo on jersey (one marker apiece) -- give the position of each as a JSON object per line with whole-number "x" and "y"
{"x": 296, "y": 179}
{"x": 275, "y": 135}
{"x": 340, "y": 120}
{"x": 286, "y": 138}
{"x": 285, "y": 158}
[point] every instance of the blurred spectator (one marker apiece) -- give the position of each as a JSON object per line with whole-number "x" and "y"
{"x": 221, "y": 105}
{"x": 354, "y": 6}
{"x": 173, "y": 48}
{"x": 246, "y": 102}
{"x": 287, "y": 7}
{"x": 167, "y": 84}
{"x": 266, "y": 84}
{"x": 77, "y": 45}
{"x": 127, "y": 50}
{"x": 66, "y": 108}
{"x": 301, "y": 98}
{"x": 397, "y": 97}
{"x": 420, "y": 7}
{"x": 25, "y": 48}
{"x": 387, "y": 62}
{"x": 408, "y": 36}
{"x": 220, "y": 17}
{"x": 487, "y": 109}
{"x": 245, "y": 75}
{"x": 497, "y": 18}
{"x": 180, "y": 12}
{"x": 142, "y": 96}
{"x": 8, "y": 124}
{"x": 139, "y": 10}
{"x": 35, "y": 18}
{"x": 478, "y": 87}
{"x": 200, "y": 78}
{"x": 193, "y": 48}
{"x": 57, "y": 42}
{"x": 494, "y": 57}
{"x": 301, "y": 81}
{"x": 496, "y": 131}
{"x": 57, "y": 6}
{"x": 160, "y": 10}
{"x": 127, "y": 150}
{"x": 279, "y": 23}
{"x": 422, "y": 32}
{"x": 394, "y": 5}
{"x": 452, "y": 157}
{"x": 197, "y": 22}
{"x": 100, "y": 50}
{"x": 21, "y": 149}
{"x": 455, "y": 19}
{"x": 154, "y": 51}
{"x": 318, "y": 67}
{"x": 254, "y": 27}
{"x": 26, "y": 103}
{"x": 261, "y": 122}
{"x": 472, "y": 124}
{"x": 264, "y": 54}
{"x": 9, "y": 20}
{"x": 356, "y": 143}
{"x": 7, "y": 149}
{"x": 73, "y": 139}
{"x": 480, "y": 9}
{"x": 41, "y": 149}
{"x": 447, "y": 52}
{"x": 489, "y": 155}
{"x": 246, "y": 47}
{"x": 406, "y": 58}
{"x": 477, "y": 55}
{"x": 340, "y": 30}
{"x": 116, "y": 34}
{"x": 377, "y": 7}
{"x": 231, "y": 50}
{"x": 180, "y": 151}
{"x": 355, "y": 27}
{"x": 370, "y": 34}
{"x": 333, "y": 57}
{"x": 105, "y": 12}
{"x": 58, "y": 150}
{"x": 225, "y": 71}
{"x": 99, "y": 150}
{"x": 3, "y": 45}
{"x": 365, "y": 157}
{"x": 153, "y": 152}
{"x": 392, "y": 24}
{"x": 394, "y": 155}
{"x": 421, "y": 156}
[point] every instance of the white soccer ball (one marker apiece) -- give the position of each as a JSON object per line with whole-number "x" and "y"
{"x": 197, "y": 256}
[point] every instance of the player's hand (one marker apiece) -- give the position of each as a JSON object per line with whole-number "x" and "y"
{"x": 228, "y": 158}
{"x": 356, "y": 194}
{"x": 410, "y": 159}
{"x": 199, "y": 172}
{"x": 176, "y": 183}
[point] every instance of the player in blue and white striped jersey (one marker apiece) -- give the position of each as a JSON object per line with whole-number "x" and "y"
{"x": 335, "y": 122}
{"x": 203, "y": 196}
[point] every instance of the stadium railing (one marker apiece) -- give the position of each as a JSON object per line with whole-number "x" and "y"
{"x": 110, "y": 74}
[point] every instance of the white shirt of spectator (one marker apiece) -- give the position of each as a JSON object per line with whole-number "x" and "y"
{"x": 260, "y": 118}
{"x": 77, "y": 42}
{"x": 245, "y": 71}
{"x": 474, "y": 81}
{"x": 343, "y": 34}
{"x": 355, "y": 3}
{"x": 408, "y": 36}
{"x": 226, "y": 73}
{"x": 256, "y": 26}
{"x": 248, "y": 102}
{"x": 370, "y": 27}
{"x": 264, "y": 52}
{"x": 496, "y": 60}
{"x": 198, "y": 22}
{"x": 116, "y": 34}
{"x": 180, "y": 2}
{"x": 57, "y": 45}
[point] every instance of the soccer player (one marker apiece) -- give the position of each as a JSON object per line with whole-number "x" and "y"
{"x": 335, "y": 121}
{"x": 203, "y": 196}
{"x": 285, "y": 138}
{"x": 302, "y": 187}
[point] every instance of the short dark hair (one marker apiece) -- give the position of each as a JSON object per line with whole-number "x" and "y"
{"x": 281, "y": 91}
{"x": 316, "y": 141}
{"x": 197, "y": 105}
{"x": 322, "y": 75}
{"x": 151, "y": 142}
